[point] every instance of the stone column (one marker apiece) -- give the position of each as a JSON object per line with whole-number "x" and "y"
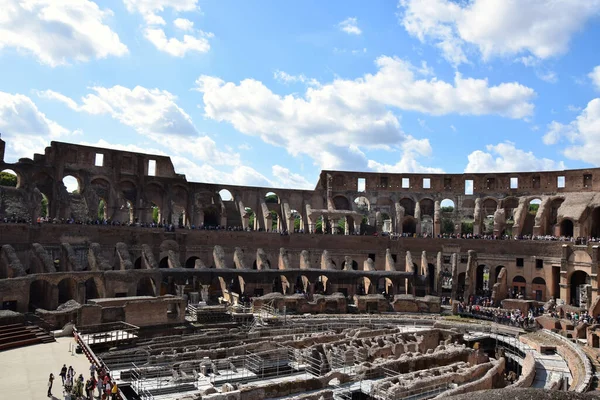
{"x": 346, "y": 226}
{"x": 333, "y": 226}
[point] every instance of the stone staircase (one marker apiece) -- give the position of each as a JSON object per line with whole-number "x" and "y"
{"x": 19, "y": 335}
{"x": 593, "y": 355}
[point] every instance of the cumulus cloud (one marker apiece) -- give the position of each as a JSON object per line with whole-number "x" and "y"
{"x": 195, "y": 41}
{"x": 535, "y": 29}
{"x": 183, "y": 24}
{"x": 505, "y": 157}
{"x": 153, "y": 113}
{"x": 25, "y": 128}
{"x": 583, "y": 134}
{"x": 286, "y": 78}
{"x": 176, "y": 47}
{"x": 285, "y": 178}
{"x": 342, "y": 117}
{"x": 58, "y": 32}
{"x": 350, "y": 26}
{"x": 595, "y": 77}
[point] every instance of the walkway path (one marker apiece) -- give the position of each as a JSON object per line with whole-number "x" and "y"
{"x": 25, "y": 371}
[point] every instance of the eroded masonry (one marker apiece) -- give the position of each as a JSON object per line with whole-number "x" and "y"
{"x": 261, "y": 282}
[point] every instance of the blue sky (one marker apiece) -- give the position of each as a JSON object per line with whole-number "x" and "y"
{"x": 271, "y": 92}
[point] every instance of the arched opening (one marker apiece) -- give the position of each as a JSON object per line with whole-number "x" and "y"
{"x": 156, "y": 214}
{"x": 460, "y": 286}
{"x": 482, "y": 280}
{"x": 138, "y": 263}
{"x": 409, "y": 206}
{"x": 362, "y": 204}
{"x": 427, "y": 207}
{"x": 179, "y": 216}
{"x": 91, "y": 290}
{"x": 489, "y": 207}
{"x": 40, "y": 296}
{"x": 595, "y": 225}
{"x": 234, "y": 286}
{"x": 431, "y": 277}
{"x": 447, "y": 206}
{"x": 322, "y": 285}
{"x": 519, "y": 284}
{"x": 72, "y": 184}
{"x": 67, "y": 290}
{"x": 274, "y": 220}
{"x": 271, "y": 198}
{"x": 102, "y": 210}
{"x": 191, "y": 262}
{"x": 164, "y": 263}
{"x": 497, "y": 272}
{"x": 225, "y": 195}
{"x": 145, "y": 287}
{"x": 10, "y": 178}
{"x": 446, "y": 277}
{"x": 553, "y": 218}
{"x": 353, "y": 266}
{"x": 427, "y": 225}
{"x": 341, "y": 203}
{"x": 529, "y": 220}
{"x": 252, "y": 220}
{"x": 385, "y": 286}
{"x": 297, "y": 220}
{"x": 44, "y": 206}
{"x": 302, "y": 284}
{"x": 580, "y": 281}
{"x": 538, "y": 286}
{"x": 277, "y": 285}
{"x": 409, "y": 226}
{"x": 211, "y": 217}
{"x": 363, "y": 285}
{"x": 566, "y": 228}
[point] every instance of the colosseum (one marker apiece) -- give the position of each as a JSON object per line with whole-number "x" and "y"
{"x": 370, "y": 286}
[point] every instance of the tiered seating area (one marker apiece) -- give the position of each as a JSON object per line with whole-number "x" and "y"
{"x": 19, "y": 335}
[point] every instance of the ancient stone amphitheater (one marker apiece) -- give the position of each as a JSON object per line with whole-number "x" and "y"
{"x": 370, "y": 286}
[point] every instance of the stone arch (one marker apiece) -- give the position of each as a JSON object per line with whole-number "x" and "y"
{"x": 253, "y": 221}
{"x": 538, "y": 286}
{"x": 482, "y": 278}
{"x": 164, "y": 262}
{"x": 519, "y": 285}
{"x": 17, "y": 180}
{"x": 362, "y": 204}
{"x": 191, "y": 262}
{"x": 566, "y": 227}
{"x": 489, "y": 206}
{"x": 409, "y": 206}
{"x": 578, "y": 280}
{"x": 427, "y": 207}
{"x": 67, "y": 290}
{"x": 41, "y": 295}
{"x": 211, "y": 216}
{"x": 353, "y": 266}
{"x": 363, "y": 286}
{"x": 145, "y": 287}
{"x": 302, "y": 284}
{"x": 155, "y": 194}
{"x": 322, "y": 285}
{"x": 138, "y": 263}
{"x": 449, "y": 203}
{"x": 225, "y": 195}
{"x": 595, "y": 223}
{"x": 272, "y": 198}
{"x": 554, "y": 206}
{"x": 385, "y": 286}
{"x": 73, "y": 184}
{"x": 91, "y": 289}
{"x": 341, "y": 203}
{"x": 409, "y": 225}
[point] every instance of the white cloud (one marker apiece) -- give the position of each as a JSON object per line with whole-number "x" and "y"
{"x": 198, "y": 42}
{"x": 58, "y": 32}
{"x": 350, "y": 26}
{"x": 547, "y": 76}
{"x": 183, "y": 24}
{"x": 245, "y": 146}
{"x": 286, "y": 78}
{"x": 176, "y": 47}
{"x": 573, "y": 108}
{"x": 24, "y": 128}
{"x": 153, "y": 113}
{"x": 505, "y": 157}
{"x": 534, "y": 29}
{"x": 339, "y": 118}
{"x": 149, "y": 8}
{"x": 595, "y": 77}
{"x": 411, "y": 149}
{"x": 286, "y": 179}
{"x": 453, "y": 128}
{"x": 583, "y": 133}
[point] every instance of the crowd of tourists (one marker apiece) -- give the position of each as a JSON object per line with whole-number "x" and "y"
{"x": 74, "y": 388}
{"x": 498, "y": 315}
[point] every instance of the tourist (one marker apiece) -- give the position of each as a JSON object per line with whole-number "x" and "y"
{"x": 114, "y": 391}
{"x": 89, "y": 389}
{"x": 63, "y": 373}
{"x": 50, "y": 380}
{"x": 107, "y": 388}
{"x": 92, "y": 369}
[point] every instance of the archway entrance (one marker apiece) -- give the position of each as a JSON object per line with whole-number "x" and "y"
{"x": 67, "y": 290}
{"x": 482, "y": 280}
{"x": 538, "y": 286}
{"x": 519, "y": 283}
{"x": 579, "y": 282}
{"x": 145, "y": 287}
{"x": 91, "y": 290}
{"x": 409, "y": 226}
{"x": 40, "y": 296}
{"x": 566, "y": 228}
{"x": 191, "y": 262}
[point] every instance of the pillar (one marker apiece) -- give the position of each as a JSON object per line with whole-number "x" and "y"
{"x": 346, "y": 226}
